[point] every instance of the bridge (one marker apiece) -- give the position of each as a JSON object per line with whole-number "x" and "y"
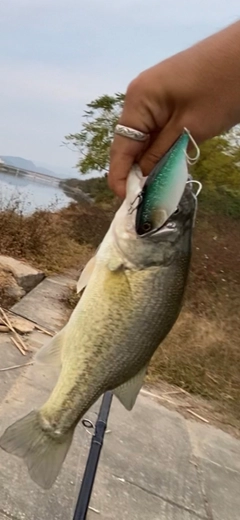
{"x": 34, "y": 176}
{"x": 42, "y": 177}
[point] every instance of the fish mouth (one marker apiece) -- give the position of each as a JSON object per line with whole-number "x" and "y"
{"x": 147, "y": 228}
{"x": 168, "y": 225}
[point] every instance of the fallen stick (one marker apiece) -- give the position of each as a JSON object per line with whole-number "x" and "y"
{"x": 160, "y": 397}
{"x": 44, "y": 330}
{"x": 18, "y": 346}
{"x": 198, "y": 416}
{"x": 8, "y": 323}
{"x": 48, "y": 332}
{"x": 94, "y": 510}
{"x": 4, "y": 328}
{"x": 174, "y": 392}
{"x": 184, "y": 391}
{"x": 15, "y": 366}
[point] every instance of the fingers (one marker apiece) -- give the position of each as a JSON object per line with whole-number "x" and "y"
{"x": 138, "y": 115}
{"x": 124, "y": 153}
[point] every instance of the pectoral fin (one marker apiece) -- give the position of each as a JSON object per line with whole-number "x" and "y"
{"x": 128, "y": 392}
{"x": 114, "y": 264}
{"x": 86, "y": 274}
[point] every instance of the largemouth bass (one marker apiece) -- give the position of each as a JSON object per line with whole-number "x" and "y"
{"x": 133, "y": 290}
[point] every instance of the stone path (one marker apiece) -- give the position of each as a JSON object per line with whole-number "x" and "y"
{"x": 155, "y": 465}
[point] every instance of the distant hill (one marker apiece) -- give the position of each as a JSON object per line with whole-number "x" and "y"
{"x": 59, "y": 171}
{"x": 20, "y": 162}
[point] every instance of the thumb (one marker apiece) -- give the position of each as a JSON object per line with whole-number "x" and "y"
{"x": 159, "y": 147}
{"x": 123, "y": 154}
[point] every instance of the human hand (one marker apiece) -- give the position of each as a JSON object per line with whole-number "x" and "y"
{"x": 197, "y": 89}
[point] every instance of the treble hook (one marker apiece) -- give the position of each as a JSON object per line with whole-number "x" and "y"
{"x": 194, "y": 181}
{"x": 131, "y": 207}
{"x": 192, "y": 160}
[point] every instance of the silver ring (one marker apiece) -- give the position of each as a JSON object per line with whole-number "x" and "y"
{"x": 131, "y": 133}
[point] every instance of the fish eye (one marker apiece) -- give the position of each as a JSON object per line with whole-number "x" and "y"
{"x": 176, "y": 211}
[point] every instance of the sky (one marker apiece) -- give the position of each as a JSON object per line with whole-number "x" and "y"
{"x": 58, "y": 55}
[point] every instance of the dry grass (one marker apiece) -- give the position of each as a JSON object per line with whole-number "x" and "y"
{"x": 52, "y": 241}
{"x": 40, "y": 238}
{"x": 202, "y": 355}
{"x": 202, "y": 352}
{"x": 6, "y": 282}
{"x": 71, "y": 298}
{"x": 87, "y": 223}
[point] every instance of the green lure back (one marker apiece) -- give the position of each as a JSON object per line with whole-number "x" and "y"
{"x": 163, "y": 188}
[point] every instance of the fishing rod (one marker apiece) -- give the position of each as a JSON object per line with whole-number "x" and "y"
{"x": 93, "y": 457}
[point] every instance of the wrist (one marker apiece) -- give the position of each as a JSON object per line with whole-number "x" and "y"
{"x": 218, "y": 63}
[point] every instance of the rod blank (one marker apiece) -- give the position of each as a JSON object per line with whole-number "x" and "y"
{"x": 93, "y": 459}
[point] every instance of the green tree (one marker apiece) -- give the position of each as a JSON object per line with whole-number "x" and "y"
{"x": 217, "y": 168}
{"x": 94, "y": 141}
{"x": 218, "y": 163}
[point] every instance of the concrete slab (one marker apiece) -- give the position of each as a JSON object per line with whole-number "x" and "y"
{"x": 10, "y": 356}
{"x": 146, "y": 450}
{"x": 63, "y": 279}
{"x": 43, "y": 304}
{"x": 222, "y": 488}
{"x": 214, "y": 445}
{"x": 124, "y": 501}
{"x": 36, "y": 339}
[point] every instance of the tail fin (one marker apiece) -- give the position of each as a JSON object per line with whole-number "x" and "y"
{"x": 43, "y": 454}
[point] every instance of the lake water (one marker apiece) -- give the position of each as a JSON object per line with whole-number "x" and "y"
{"x": 33, "y": 195}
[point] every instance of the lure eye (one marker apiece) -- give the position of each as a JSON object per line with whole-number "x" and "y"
{"x": 147, "y": 226}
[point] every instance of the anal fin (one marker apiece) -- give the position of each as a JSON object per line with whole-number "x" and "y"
{"x": 50, "y": 353}
{"x": 128, "y": 392}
